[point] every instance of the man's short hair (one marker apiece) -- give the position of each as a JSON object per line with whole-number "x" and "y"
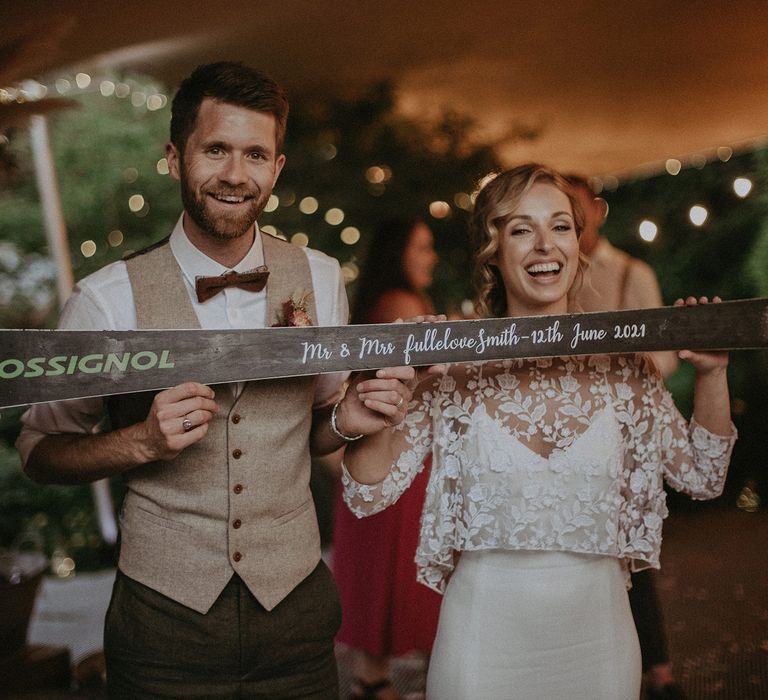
{"x": 229, "y": 82}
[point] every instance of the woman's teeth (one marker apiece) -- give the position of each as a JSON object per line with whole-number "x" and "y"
{"x": 543, "y": 267}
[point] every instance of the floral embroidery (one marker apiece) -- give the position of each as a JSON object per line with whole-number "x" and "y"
{"x": 553, "y": 454}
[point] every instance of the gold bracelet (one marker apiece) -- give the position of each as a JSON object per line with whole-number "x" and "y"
{"x": 335, "y": 428}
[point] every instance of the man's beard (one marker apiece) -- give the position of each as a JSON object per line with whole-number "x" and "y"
{"x": 221, "y": 226}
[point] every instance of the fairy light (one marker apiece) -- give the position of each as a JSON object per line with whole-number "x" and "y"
{"x": 439, "y": 209}
{"x": 350, "y": 271}
{"x": 88, "y": 249}
{"x": 463, "y": 201}
{"x": 300, "y": 239}
{"x": 334, "y": 216}
{"x": 742, "y": 186}
{"x": 648, "y": 230}
{"x": 308, "y": 205}
{"x": 136, "y": 203}
{"x": 350, "y": 235}
{"x": 673, "y": 166}
{"x": 698, "y": 215}
{"x": 724, "y": 153}
{"x": 272, "y": 203}
{"x": 115, "y": 238}
{"x": 162, "y": 167}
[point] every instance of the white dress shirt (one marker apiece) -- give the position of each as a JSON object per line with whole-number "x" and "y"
{"x": 104, "y": 301}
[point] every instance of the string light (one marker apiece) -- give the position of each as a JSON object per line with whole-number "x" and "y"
{"x": 439, "y": 209}
{"x": 272, "y": 203}
{"x": 742, "y": 186}
{"x": 334, "y": 216}
{"x": 135, "y": 203}
{"x": 673, "y": 166}
{"x": 349, "y": 235}
{"x": 350, "y": 272}
{"x": 698, "y": 215}
{"x": 115, "y": 238}
{"x": 88, "y": 249}
{"x": 648, "y": 230}
{"x": 308, "y": 205}
{"x": 300, "y": 239}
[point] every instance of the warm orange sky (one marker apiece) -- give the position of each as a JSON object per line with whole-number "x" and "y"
{"x": 609, "y": 86}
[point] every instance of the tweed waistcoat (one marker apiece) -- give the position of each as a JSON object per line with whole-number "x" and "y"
{"x": 238, "y": 500}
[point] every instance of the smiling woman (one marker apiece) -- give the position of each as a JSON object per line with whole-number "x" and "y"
{"x": 546, "y": 481}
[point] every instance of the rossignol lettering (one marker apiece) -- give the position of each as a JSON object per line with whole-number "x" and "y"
{"x": 95, "y": 363}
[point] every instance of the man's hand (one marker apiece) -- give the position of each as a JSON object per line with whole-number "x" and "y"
{"x": 178, "y": 418}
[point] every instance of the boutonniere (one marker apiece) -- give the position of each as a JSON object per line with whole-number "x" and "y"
{"x": 294, "y": 312}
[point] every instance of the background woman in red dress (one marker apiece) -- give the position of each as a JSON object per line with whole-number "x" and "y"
{"x": 385, "y": 612}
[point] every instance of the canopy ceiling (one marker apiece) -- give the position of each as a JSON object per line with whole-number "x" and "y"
{"x": 605, "y": 87}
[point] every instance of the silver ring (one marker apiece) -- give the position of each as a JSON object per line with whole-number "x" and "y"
{"x": 187, "y": 425}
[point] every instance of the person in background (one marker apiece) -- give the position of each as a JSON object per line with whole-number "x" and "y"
{"x": 386, "y": 612}
{"x": 614, "y": 280}
{"x": 546, "y": 483}
{"x": 220, "y": 589}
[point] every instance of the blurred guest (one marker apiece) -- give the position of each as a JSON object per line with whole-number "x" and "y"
{"x": 616, "y": 280}
{"x": 386, "y": 612}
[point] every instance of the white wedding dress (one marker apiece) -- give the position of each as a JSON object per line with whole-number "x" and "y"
{"x": 546, "y": 488}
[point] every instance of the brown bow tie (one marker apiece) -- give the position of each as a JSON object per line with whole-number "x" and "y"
{"x": 250, "y": 281}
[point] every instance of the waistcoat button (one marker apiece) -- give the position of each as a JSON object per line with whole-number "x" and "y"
{"x": 237, "y": 454}
{"x": 238, "y": 488}
{"x": 237, "y": 556}
{"x": 236, "y": 418}
{"x": 236, "y": 524}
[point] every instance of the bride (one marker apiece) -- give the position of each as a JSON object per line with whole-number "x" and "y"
{"x": 546, "y": 484}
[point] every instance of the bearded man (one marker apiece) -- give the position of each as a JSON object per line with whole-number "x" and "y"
{"x": 220, "y": 590}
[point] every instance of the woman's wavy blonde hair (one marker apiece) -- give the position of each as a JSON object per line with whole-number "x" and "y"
{"x": 496, "y": 201}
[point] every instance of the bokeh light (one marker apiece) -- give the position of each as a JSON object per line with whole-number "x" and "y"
{"x": 349, "y": 235}
{"x": 334, "y": 216}
{"x": 673, "y": 166}
{"x": 439, "y": 209}
{"x": 742, "y": 186}
{"x": 88, "y": 248}
{"x": 272, "y": 203}
{"x": 698, "y": 215}
{"x": 648, "y": 230}
{"x": 308, "y": 205}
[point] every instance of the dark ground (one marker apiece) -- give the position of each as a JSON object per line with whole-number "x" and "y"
{"x": 714, "y": 591}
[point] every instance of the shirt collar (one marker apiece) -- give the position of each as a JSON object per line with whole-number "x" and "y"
{"x": 193, "y": 262}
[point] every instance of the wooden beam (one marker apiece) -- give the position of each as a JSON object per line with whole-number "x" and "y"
{"x": 48, "y": 365}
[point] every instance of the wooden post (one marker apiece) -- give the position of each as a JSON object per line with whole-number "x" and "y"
{"x": 58, "y": 243}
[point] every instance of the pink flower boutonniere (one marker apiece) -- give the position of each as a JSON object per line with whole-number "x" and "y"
{"x": 295, "y": 312}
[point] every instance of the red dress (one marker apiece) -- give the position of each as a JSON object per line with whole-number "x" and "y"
{"x": 385, "y": 611}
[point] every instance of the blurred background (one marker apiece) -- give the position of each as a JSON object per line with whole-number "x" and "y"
{"x": 396, "y": 108}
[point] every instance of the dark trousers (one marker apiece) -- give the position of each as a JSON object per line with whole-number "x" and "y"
{"x": 646, "y": 610}
{"x": 157, "y": 648}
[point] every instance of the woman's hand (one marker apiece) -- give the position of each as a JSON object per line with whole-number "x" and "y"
{"x": 703, "y": 362}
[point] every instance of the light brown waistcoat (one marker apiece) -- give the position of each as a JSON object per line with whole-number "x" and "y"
{"x": 238, "y": 500}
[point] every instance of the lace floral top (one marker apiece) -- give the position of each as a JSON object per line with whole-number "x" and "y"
{"x": 554, "y": 454}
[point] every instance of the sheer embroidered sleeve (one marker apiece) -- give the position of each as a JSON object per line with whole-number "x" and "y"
{"x": 693, "y": 459}
{"x": 409, "y": 444}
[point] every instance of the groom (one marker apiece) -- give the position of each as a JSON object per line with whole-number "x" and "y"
{"x": 220, "y": 590}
